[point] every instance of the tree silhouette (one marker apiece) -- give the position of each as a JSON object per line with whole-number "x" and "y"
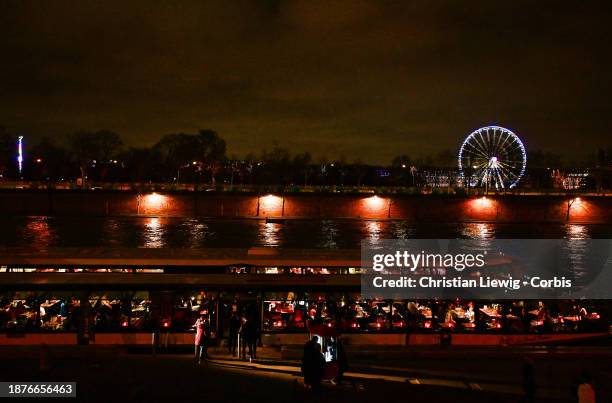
{"x": 212, "y": 151}
{"x": 88, "y": 149}
{"x": 202, "y": 152}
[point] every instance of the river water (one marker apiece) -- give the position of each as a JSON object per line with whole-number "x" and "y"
{"x": 163, "y": 232}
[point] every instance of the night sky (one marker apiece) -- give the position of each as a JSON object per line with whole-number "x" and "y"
{"x": 365, "y": 79}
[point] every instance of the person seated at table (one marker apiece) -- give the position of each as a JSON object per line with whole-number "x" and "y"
{"x": 469, "y": 313}
{"x": 396, "y": 317}
{"x": 298, "y": 318}
{"x": 450, "y": 315}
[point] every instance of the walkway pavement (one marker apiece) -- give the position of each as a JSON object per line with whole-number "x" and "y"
{"x": 414, "y": 376}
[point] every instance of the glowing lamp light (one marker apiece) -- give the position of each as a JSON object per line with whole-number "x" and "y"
{"x": 374, "y": 202}
{"x": 577, "y": 206}
{"x": 484, "y": 202}
{"x": 271, "y": 201}
{"x": 154, "y": 200}
{"x": 166, "y": 324}
{"x": 124, "y": 323}
{"x": 329, "y": 324}
{"x": 354, "y": 325}
{"x": 427, "y": 325}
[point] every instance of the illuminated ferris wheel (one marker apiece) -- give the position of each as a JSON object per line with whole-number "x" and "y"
{"x": 492, "y": 157}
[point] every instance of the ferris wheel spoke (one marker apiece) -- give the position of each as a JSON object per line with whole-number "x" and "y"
{"x": 501, "y": 181}
{"x": 507, "y": 175}
{"x": 478, "y": 139}
{"x": 481, "y": 154}
{"x": 510, "y": 154}
{"x": 477, "y": 149}
{"x": 495, "y": 142}
{"x": 482, "y": 165}
{"x": 511, "y": 177}
{"x": 506, "y": 163}
{"x": 503, "y": 143}
{"x": 516, "y": 146}
{"x": 511, "y": 168}
{"x": 481, "y": 174}
{"x": 507, "y": 168}
{"x": 485, "y": 144}
{"x": 474, "y": 142}
{"x": 481, "y": 146}
{"x": 497, "y": 179}
{"x": 498, "y": 138}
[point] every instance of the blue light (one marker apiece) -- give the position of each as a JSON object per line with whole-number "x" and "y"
{"x": 20, "y": 153}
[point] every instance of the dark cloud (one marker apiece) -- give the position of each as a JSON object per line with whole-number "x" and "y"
{"x": 359, "y": 78}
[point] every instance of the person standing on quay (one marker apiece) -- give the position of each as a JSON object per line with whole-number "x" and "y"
{"x": 242, "y": 334}
{"x": 201, "y": 339}
{"x": 312, "y": 363}
{"x": 234, "y": 328}
{"x": 251, "y": 338}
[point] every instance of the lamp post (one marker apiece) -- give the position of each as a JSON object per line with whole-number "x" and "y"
{"x": 283, "y": 207}
{"x": 570, "y": 203}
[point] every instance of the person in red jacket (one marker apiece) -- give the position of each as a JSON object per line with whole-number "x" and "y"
{"x": 201, "y": 338}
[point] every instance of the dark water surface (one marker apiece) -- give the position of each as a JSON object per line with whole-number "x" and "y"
{"x": 161, "y": 232}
